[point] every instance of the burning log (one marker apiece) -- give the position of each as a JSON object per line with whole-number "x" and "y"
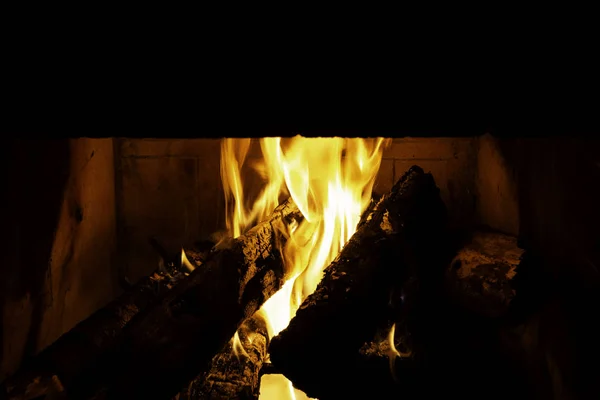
{"x": 169, "y": 344}
{"x": 233, "y": 375}
{"x": 56, "y": 367}
{"x": 394, "y": 242}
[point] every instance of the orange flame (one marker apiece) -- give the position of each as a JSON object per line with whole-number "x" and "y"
{"x": 329, "y": 179}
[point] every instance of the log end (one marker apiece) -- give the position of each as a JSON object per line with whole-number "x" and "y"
{"x": 234, "y": 373}
{"x": 480, "y": 277}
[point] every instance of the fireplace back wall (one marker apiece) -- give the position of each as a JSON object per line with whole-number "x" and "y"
{"x": 172, "y": 188}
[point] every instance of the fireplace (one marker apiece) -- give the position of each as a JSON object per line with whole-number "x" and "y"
{"x": 90, "y": 219}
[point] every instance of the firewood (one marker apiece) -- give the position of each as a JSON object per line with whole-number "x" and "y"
{"x": 234, "y": 374}
{"x": 166, "y": 346}
{"x": 78, "y": 349}
{"x": 479, "y": 280}
{"x": 480, "y": 276}
{"x": 397, "y": 239}
{"x": 466, "y": 324}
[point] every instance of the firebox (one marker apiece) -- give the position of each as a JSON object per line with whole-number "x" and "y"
{"x": 301, "y": 268}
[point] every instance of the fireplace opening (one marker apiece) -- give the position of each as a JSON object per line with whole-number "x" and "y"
{"x": 297, "y": 268}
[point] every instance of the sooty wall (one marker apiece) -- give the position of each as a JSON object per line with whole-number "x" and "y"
{"x": 59, "y": 240}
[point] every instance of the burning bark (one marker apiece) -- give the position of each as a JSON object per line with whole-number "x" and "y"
{"x": 392, "y": 243}
{"x": 233, "y": 375}
{"x": 58, "y": 366}
{"x": 169, "y": 344}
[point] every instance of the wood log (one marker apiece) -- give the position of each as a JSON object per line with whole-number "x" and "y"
{"x": 234, "y": 374}
{"x": 165, "y": 347}
{"x": 466, "y": 357}
{"x": 467, "y": 326}
{"x": 397, "y": 239}
{"x": 480, "y": 277}
{"x": 57, "y": 367}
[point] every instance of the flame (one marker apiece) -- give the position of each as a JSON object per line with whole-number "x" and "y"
{"x": 185, "y": 262}
{"x": 393, "y": 352}
{"x": 331, "y": 182}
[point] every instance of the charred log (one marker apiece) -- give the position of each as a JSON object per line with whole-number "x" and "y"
{"x": 469, "y": 324}
{"x": 393, "y": 243}
{"x": 171, "y": 343}
{"x": 467, "y": 332}
{"x": 479, "y": 279}
{"x": 56, "y": 367}
{"x": 234, "y": 373}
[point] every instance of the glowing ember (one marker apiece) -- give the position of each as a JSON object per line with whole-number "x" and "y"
{"x": 330, "y": 180}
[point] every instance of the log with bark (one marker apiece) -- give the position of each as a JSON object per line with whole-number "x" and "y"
{"x": 166, "y": 346}
{"x": 234, "y": 373}
{"x": 398, "y": 240}
{"x": 465, "y": 328}
{"x": 468, "y": 331}
{"x": 55, "y": 369}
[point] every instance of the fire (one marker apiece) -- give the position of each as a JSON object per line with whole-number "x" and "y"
{"x": 331, "y": 182}
{"x": 393, "y": 352}
{"x": 185, "y": 262}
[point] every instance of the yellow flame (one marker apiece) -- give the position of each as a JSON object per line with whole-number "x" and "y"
{"x": 237, "y": 346}
{"x": 393, "y": 352}
{"x": 329, "y": 179}
{"x": 185, "y": 262}
{"x": 391, "y": 337}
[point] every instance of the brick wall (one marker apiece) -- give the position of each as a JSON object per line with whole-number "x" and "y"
{"x": 451, "y": 161}
{"x": 168, "y": 188}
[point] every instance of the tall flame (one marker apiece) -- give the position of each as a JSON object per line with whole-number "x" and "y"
{"x": 331, "y": 182}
